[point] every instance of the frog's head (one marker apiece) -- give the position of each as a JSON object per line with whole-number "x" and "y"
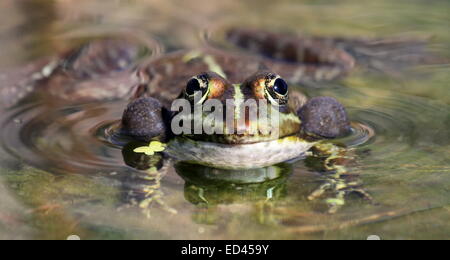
{"x": 255, "y": 110}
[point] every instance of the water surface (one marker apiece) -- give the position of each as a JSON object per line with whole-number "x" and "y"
{"x": 62, "y": 173}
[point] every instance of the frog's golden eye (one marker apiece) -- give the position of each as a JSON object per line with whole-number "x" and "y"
{"x": 198, "y": 85}
{"x": 277, "y": 90}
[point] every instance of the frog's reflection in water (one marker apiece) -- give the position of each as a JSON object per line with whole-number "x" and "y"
{"x": 206, "y": 188}
{"x": 209, "y": 186}
{"x": 216, "y": 191}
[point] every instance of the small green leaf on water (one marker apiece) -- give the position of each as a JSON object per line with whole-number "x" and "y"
{"x": 144, "y": 149}
{"x": 151, "y": 149}
{"x": 157, "y": 146}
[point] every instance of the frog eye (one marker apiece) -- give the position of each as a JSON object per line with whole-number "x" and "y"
{"x": 198, "y": 84}
{"x": 280, "y": 87}
{"x": 192, "y": 86}
{"x": 277, "y": 90}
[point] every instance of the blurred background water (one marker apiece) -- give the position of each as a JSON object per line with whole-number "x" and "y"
{"x": 58, "y": 178}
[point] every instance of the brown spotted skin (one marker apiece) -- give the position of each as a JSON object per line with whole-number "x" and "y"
{"x": 101, "y": 70}
{"x": 166, "y": 77}
{"x": 295, "y": 58}
{"x": 16, "y": 84}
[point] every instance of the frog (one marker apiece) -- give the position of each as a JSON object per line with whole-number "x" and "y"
{"x": 251, "y": 142}
{"x": 262, "y": 66}
{"x": 304, "y": 124}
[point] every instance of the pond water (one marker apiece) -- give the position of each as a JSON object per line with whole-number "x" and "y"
{"x": 62, "y": 173}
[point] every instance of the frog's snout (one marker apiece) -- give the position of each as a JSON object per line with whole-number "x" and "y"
{"x": 324, "y": 117}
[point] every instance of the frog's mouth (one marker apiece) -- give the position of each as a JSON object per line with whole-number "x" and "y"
{"x": 238, "y": 156}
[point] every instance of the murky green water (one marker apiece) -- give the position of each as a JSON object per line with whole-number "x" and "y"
{"x": 60, "y": 175}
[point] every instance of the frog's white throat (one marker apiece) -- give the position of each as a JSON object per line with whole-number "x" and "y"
{"x": 240, "y": 156}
